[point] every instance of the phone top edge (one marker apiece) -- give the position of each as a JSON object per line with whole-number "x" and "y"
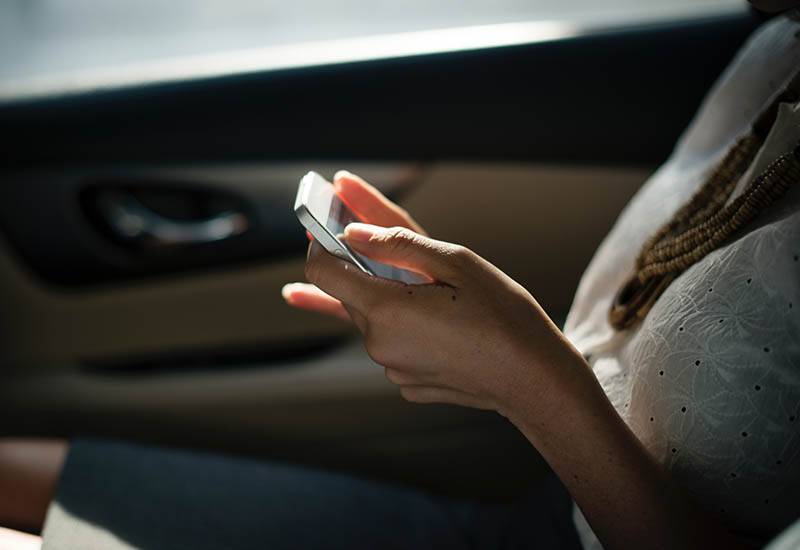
{"x": 303, "y": 190}
{"x": 331, "y": 243}
{"x": 306, "y": 218}
{"x": 318, "y": 227}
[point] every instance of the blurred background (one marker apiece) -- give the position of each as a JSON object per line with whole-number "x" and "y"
{"x": 129, "y": 129}
{"x": 41, "y": 37}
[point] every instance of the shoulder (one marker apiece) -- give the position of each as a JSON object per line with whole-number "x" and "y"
{"x": 766, "y": 61}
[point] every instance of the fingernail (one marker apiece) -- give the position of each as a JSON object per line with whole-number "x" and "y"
{"x": 313, "y": 250}
{"x": 361, "y": 232}
{"x": 341, "y": 174}
{"x": 288, "y": 289}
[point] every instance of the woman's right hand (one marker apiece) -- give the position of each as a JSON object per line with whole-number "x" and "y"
{"x": 372, "y": 207}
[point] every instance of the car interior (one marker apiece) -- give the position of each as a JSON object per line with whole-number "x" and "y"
{"x": 146, "y": 223}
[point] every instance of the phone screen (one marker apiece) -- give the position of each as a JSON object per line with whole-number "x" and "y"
{"x": 339, "y": 217}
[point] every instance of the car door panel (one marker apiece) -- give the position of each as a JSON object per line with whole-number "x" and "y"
{"x": 526, "y": 154}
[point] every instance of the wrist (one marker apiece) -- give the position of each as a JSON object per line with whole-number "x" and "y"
{"x": 546, "y": 387}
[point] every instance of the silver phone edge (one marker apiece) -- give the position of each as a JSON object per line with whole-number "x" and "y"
{"x": 321, "y": 233}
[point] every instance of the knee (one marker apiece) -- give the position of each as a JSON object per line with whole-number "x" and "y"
{"x": 29, "y": 473}
{"x": 32, "y": 458}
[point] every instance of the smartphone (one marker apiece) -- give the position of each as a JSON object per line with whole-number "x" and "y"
{"x": 325, "y": 216}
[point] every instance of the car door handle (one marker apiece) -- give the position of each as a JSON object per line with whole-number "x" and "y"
{"x": 133, "y": 222}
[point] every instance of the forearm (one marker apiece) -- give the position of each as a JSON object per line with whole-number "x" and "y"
{"x": 477, "y": 338}
{"x": 624, "y": 494}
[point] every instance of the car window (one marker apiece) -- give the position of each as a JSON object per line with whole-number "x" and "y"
{"x": 39, "y": 38}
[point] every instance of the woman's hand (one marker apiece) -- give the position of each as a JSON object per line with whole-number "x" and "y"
{"x": 476, "y": 338}
{"x": 371, "y": 206}
{"x": 473, "y": 337}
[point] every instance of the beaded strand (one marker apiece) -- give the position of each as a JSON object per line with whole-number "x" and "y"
{"x": 706, "y": 220}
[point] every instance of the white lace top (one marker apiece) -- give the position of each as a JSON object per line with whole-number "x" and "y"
{"x": 710, "y": 380}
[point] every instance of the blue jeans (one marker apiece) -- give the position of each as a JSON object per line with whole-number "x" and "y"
{"x": 119, "y": 495}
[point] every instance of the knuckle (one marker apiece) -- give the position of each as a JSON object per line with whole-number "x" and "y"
{"x": 375, "y": 352}
{"x": 392, "y": 376}
{"x": 401, "y": 238}
{"x": 409, "y": 394}
{"x": 462, "y": 253}
{"x": 461, "y": 256}
{"x": 401, "y": 233}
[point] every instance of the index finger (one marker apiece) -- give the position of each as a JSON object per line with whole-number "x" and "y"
{"x": 343, "y": 280}
{"x": 372, "y": 205}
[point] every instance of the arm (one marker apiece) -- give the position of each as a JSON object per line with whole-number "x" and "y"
{"x": 624, "y": 494}
{"x": 476, "y": 338}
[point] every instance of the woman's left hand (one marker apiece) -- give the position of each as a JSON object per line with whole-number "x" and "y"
{"x": 473, "y": 337}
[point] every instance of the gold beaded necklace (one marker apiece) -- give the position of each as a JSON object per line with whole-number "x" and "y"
{"x": 705, "y": 222}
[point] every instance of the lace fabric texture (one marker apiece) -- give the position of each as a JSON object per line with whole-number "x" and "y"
{"x": 710, "y": 380}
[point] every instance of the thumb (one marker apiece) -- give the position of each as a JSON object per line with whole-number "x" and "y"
{"x": 402, "y": 247}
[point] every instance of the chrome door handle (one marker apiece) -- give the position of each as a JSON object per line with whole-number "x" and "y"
{"x": 132, "y": 221}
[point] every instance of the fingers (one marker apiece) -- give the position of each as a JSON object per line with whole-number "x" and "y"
{"x": 400, "y": 377}
{"x": 403, "y": 248}
{"x": 305, "y": 296}
{"x": 345, "y": 281}
{"x": 371, "y": 204}
{"x": 433, "y": 394}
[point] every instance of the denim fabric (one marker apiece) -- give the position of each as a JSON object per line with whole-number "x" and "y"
{"x": 118, "y": 495}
